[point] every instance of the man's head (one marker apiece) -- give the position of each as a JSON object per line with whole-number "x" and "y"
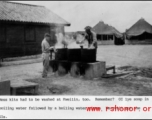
{"x": 88, "y": 29}
{"x": 47, "y": 36}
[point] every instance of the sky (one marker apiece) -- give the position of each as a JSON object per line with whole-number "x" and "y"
{"x": 119, "y": 14}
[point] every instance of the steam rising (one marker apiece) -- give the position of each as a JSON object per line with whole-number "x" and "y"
{"x": 70, "y": 43}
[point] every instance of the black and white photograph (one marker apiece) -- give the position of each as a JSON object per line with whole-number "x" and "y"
{"x": 84, "y": 48}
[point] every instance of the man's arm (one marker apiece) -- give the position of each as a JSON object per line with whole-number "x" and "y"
{"x": 46, "y": 47}
{"x": 51, "y": 48}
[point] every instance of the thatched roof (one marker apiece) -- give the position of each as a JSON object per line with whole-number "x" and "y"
{"x": 140, "y": 27}
{"x": 10, "y": 11}
{"x": 104, "y": 29}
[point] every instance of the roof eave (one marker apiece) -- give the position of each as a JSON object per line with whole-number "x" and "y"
{"x": 46, "y": 23}
{"x": 57, "y": 24}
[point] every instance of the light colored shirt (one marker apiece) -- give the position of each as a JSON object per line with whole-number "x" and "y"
{"x": 45, "y": 46}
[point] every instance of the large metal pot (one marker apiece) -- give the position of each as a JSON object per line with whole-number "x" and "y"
{"x": 61, "y": 54}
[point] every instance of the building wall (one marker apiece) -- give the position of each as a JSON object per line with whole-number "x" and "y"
{"x": 138, "y": 42}
{"x": 2, "y": 33}
{"x": 14, "y": 34}
{"x": 110, "y": 40}
{"x": 18, "y": 39}
{"x": 105, "y": 39}
{"x": 144, "y": 39}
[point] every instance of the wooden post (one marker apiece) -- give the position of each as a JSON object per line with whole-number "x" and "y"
{"x": 111, "y": 68}
{"x": 22, "y": 84}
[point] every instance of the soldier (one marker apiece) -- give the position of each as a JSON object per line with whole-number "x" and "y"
{"x": 91, "y": 37}
{"x": 46, "y": 53}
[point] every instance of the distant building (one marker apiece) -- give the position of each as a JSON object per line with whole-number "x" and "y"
{"x": 107, "y": 34}
{"x": 22, "y": 28}
{"x": 139, "y": 33}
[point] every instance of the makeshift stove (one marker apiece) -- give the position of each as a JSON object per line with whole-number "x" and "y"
{"x": 78, "y": 62}
{"x": 77, "y": 59}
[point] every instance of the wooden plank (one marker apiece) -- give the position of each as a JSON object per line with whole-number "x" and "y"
{"x": 129, "y": 74}
{"x": 117, "y": 75}
{"x": 111, "y": 68}
{"x": 22, "y": 84}
{"x": 23, "y": 91}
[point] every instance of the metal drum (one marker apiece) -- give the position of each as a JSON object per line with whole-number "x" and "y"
{"x": 88, "y": 55}
{"x": 61, "y": 54}
{"x": 74, "y": 55}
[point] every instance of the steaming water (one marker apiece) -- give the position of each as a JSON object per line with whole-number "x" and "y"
{"x": 73, "y": 45}
{"x": 60, "y": 39}
{"x": 63, "y": 41}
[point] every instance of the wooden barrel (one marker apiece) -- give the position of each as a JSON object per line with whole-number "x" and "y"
{"x": 61, "y": 54}
{"x": 88, "y": 55}
{"x": 74, "y": 55}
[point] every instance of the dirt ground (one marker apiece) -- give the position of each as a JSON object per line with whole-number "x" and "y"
{"x": 127, "y": 58}
{"x": 126, "y": 55}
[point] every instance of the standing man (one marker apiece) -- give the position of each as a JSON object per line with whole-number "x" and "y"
{"x": 91, "y": 37}
{"x": 46, "y": 54}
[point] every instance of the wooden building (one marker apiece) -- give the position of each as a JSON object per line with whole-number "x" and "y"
{"x": 139, "y": 33}
{"x": 22, "y": 28}
{"x": 107, "y": 34}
